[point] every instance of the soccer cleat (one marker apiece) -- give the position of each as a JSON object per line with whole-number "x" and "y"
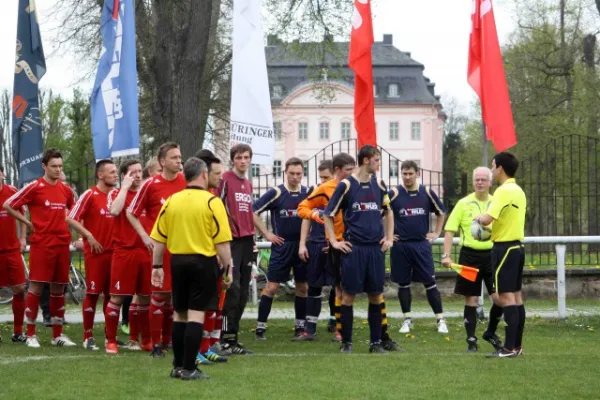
{"x": 63, "y": 341}
{"x": 216, "y": 348}
{"x": 331, "y": 326}
{"x": 472, "y": 346}
{"x": 125, "y": 329}
{"x": 492, "y": 339}
{"x": 120, "y": 342}
{"x": 377, "y": 348}
{"x": 260, "y": 334}
{"x": 406, "y": 326}
{"x": 441, "y": 326}
{"x": 298, "y": 331}
{"x": 176, "y": 373}
{"x": 346, "y": 348}
{"x": 502, "y": 353}
{"x": 18, "y": 338}
{"x": 133, "y": 345}
{"x": 305, "y": 337}
{"x": 147, "y": 346}
{"x": 157, "y": 351}
{"x": 236, "y": 349}
{"x": 112, "y": 348}
{"x": 390, "y": 345}
{"x": 33, "y": 342}
{"x": 337, "y": 337}
{"x": 519, "y": 351}
{"x": 186, "y": 375}
{"x": 214, "y": 357}
{"x": 90, "y": 344}
{"x": 201, "y": 360}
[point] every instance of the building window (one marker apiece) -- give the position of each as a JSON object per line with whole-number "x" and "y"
{"x": 324, "y": 130}
{"x": 393, "y": 168}
{"x": 305, "y": 168}
{"x": 415, "y": 131}
{"x": 277, "y": 91}
{"x": 255, "y": 170}
{"x": 277, "y": 168}
{"x": 303, "y": 131}
{"x": 393, "y": 90}
{"x": 374, "y": 90}
{"x": 346, "y": 130}
{"x": 394, "y": 131}
{"x": 277, "y": 130}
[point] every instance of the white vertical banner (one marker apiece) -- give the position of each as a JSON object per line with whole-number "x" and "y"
{"x": 251, "y": 115}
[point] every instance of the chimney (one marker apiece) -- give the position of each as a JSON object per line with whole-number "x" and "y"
{"x": 273, "y": 40}
{"x": 387, "y": 39}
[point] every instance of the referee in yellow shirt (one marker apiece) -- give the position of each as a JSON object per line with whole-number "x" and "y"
{"x": 507, "y": 212}
{"x": 194, "y": 226}
{"x": 474, "y": 253}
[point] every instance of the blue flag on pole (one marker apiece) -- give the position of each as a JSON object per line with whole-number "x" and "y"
{"x": 114, "y": 108}
{"x": 30, "y": 67}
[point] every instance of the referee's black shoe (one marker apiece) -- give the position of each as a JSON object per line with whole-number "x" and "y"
{"x": 192, "y": 375}
{"x": 492, "y": 339}
{"x": 390, "y": 345}
{"x": 502, "y": 353}
{"x": 176, "y": 373}
{"x": 472, "y": 346}
{"x": 377, "y": 348}
{"x": 346, "y": 348}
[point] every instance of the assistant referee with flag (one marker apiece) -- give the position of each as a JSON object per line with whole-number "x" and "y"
{"x": 194, "y": 226}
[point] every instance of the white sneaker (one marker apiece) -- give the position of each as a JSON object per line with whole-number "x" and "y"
{"x": 132, "y": 345}
{"x": 63, "y": 341}
{"x": 33, "y": 342}
{"x": 441, "y": 325}
{"x": 406, "y": 326}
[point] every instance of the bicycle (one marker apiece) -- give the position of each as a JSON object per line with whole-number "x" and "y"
{"x": 259, "y": 278}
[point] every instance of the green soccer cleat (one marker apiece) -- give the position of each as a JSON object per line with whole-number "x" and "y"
{"x": 214, "y": 357}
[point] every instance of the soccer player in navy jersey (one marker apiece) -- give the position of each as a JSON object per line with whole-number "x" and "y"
{"x": 411, "y": 257}
{"x": 362, "y": 199}
{"x": 282, "y": 201}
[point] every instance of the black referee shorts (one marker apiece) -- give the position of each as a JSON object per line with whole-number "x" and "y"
{"x": 334, "y": 264}
{"x": 194, "y": 279}
{"x": 508, "y": 259}
{"x": 482, "y": 260}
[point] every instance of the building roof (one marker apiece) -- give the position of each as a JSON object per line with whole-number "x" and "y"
{"x": 291, "y": 65}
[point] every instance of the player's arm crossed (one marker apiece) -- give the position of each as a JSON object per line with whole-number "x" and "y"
{"x": 265, "y": 203}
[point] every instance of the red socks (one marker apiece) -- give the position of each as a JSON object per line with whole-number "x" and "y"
{"x": 111, "y": 316}
{"x": 215, "y": 335}
{"x": 209, "y": 325}
{"x": 57, "y": 313}
{"x": 167, "y": 328}
{"x": 31, "y": 311}
{"x": 18, "y": 308}
{"x": 157, "y": 306}
{"x": 143, "y": 322}
{"x": 134, "y": 331}
{"x": 89, "y": 312}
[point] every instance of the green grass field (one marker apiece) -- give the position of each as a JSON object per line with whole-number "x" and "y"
{"x": 561, "y": 362}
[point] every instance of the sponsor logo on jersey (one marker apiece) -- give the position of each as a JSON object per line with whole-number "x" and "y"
{"x": 365, "y": 206}
{"x": 410, "y": 212}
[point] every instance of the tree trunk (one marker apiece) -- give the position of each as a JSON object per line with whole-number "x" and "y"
{"x": 186, "y": 127}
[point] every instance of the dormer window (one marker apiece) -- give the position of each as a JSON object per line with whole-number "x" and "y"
{"x": 393, "y": 90}
{"x": 277, "y": 91}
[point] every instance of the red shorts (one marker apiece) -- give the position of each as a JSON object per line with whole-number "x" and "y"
{"x": 167, "y": 285}
{"x": 130, "y": 272}
{"x": 97, "y": 272}
{"x": 49, "y": 264}
{"x": 12, "y": 269}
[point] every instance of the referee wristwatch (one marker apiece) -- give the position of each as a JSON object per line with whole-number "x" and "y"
{"x": 157, "y": 266}
{"x": 445, "y": 255}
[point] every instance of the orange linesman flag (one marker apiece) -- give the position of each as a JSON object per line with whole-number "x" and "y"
{"x": 469, "y": 273}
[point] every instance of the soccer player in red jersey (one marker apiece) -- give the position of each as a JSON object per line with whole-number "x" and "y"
{"x": 12, "y": 270}
{"x": 129, "y": 272}
{"x": 48, "y": 201}
{"x": 91, "y": 218}
{"x": 150, "y": 198}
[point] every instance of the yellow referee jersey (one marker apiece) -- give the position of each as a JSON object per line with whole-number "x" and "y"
{"x": 192, "y": 222}
{"x": 508, "y": 210}
{"x": 461, "y": 218}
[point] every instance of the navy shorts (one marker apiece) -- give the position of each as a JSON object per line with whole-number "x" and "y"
{"x": 319, "y": 273}
{"x": 283, "y": 259}
{"x": 363, "y": 269}
{"x": 412, "y": 262}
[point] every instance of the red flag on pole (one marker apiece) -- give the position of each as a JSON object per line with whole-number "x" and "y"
{"x": 361, "y": 40}
{"x": 486, "y": 76}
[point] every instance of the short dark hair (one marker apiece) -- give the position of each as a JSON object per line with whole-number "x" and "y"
{"x": 326, "y": 165}
{"x": 204, "y": 153}
{"x": 239, "y": 148}
{"x": 408, "y": 164}
{"x": 164, "y": 149}
{"x": 126, "y": 164}
{"x": 340, "y": 160}
{"x": 100, "y": 164}
{"x": 49, "y": 154}
{"x": 293, "y": 161}
{"x": 367, "y": 151}
{"x": 192, "y": 168}
{"x": 508, "y": 162}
